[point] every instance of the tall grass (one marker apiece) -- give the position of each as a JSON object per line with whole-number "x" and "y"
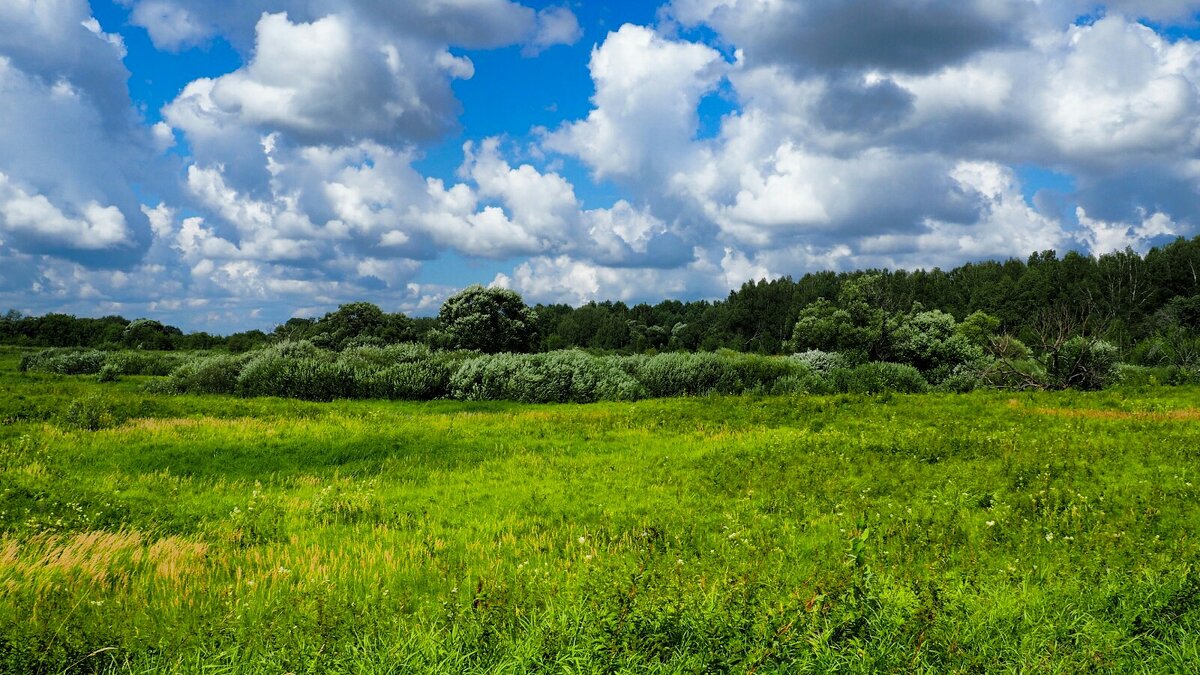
{"x": 987, "y": 532}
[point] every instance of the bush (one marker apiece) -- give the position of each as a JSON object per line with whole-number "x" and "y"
{"x": 680, "y": 374}
{"x": 805, "y": 381}
{"x": 1083, "y": 363}
{"x": 64, "y": 362}
{"x": 423, "y": 380}
{"x": 962, "y": 379}
{"x": 1015, "y": 374}
{"x": 90, "y": 414}
{"x": 108, "y": 373}
{"x": 208, "y": 375}
{"x": 930, "y": 342}
{"x": 820, "y": 362}
{"x": 295, "y": 370}
{"x": 1142, "y": 376}
{"x": 563, "y": 376}
{"x": 143, "y": 363}
{"x": 877, "y": 377}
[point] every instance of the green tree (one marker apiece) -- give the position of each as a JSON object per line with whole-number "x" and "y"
{"x": 980, "y": 329}
{"x": 490, "y": 320}
{"x": 149, "y": 334}
{"x": 931, "y": 342}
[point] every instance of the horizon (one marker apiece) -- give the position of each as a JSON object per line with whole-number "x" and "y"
{"x": 219, "y": 168}
{"x": 433, "y": 314}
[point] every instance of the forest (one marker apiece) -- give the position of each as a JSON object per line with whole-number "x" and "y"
{"x": 1125, "y": 297}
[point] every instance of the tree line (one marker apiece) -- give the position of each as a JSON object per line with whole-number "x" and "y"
{"x": 1144, "y": 305}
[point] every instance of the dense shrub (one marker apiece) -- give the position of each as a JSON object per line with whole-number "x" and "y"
{"x": 402, "y": 371}
{"x": 964, "y": 378}
{"x": 820, "y": 362}
{"x": 92, "y": 361}
{"x": 1015, "y": 374}
{"x": 683, "y": 374}
{"x": 413, "y": 380}
{"x": 562, "y": 376}
{"x": 90, "y": 414}
{"x": 64, "y": 362}
{"x": 805, "y": 380}
{"x": 296, "y": 370}
{"x": 208, "y": 375}
{"x": 1083, "y": 363}
{"x": 144, "y": 363}
{"x": 876, "y": 377}
{"x": 1154, "y": 376}
{"x": 931, "y": 343}
{"x": 109, "y": 372}
{"x": 414, "y": 372}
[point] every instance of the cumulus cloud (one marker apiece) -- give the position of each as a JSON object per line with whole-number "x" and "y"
{"x": 71, "y": 144}
{"x": 471, "y": 24}
{"x": 898, "y": 35}
{"x": 647, "y": 91}
{"x": 1104, "y": 237}
{"x": 171, "y": 26}
{"x": 329, "y": 82}
{"x": 36, "y": 219}
{"x": 853, "y": 133}
{"x": 555, "y": 26}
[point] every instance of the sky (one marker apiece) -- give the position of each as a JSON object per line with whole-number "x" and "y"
{"x": 224, "y": 165}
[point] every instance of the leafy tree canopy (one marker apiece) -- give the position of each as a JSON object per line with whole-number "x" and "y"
{"x": 490, "y": 320}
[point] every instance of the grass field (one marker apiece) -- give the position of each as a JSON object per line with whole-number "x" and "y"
{"x": 988, "y": 532}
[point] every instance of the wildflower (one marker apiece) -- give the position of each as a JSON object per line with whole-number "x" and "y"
{"x": 583, "y": 540}
{"x": 991, "y": 523}
{"x": 1049, "y": 536}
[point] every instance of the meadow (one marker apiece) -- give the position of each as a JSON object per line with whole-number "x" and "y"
{"x": 937, "y": 532}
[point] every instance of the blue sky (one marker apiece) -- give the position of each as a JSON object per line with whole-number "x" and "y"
{"x": 227, "y": 165}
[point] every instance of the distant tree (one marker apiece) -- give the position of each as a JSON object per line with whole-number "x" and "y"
{"x": 198, "y": 340}
{"x": 149, "y": 334}
{"x": 294, "y": 329}
{"x": 246, "y": 340}
{"x": 489, "y": 320}
{"x": 857, "y": 325}
{"x": 356, "y": 323}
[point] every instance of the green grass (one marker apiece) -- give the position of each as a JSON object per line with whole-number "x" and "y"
{"x": 931, "y": 533}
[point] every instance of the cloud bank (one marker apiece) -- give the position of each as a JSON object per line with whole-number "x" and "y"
{"x": 731, "y": 140}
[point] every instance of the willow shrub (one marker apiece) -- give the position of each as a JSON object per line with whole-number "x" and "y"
{"x": 683, "y": 374}
{"x": 95, "y": 361}
{"x": 296, "y": 370}
{"x": 561, "y": 376}
{"x": 207, "y": 375}
{"x": 64, "y": 362}
{"x": 877, "y": 377}
{"x": 403, "y": 371}
{"x": 413, "y": 372}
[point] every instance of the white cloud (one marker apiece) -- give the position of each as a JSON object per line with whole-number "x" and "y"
{"x": 70, "y": 143}
{"x": 474, "y": 24}
{"x": 555, "y": 26}
{"x": 647, "y": 91}
{"x": 34, "y": 217}
{"x": 332, "y": 80}
{"x": 852, "y": 138}
{"x": 171, "y": 26}
{"x": 1105, "y": 237}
